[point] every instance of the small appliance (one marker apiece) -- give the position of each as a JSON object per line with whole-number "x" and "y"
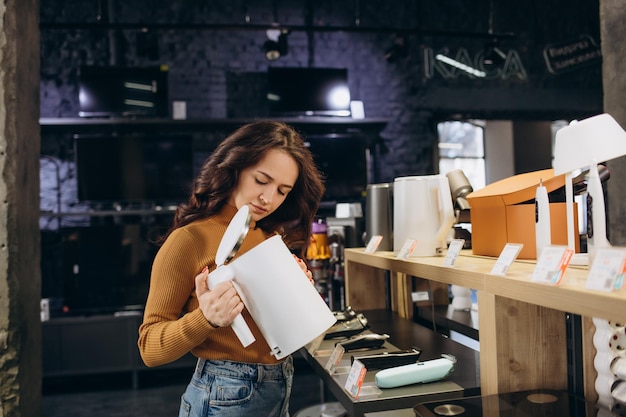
{"x": 275, "y": 290}
{"x": 422, "y": 211}
{"x": 379, "y": 214}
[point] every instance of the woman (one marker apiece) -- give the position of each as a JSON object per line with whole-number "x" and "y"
{"x": 266, "y": 166}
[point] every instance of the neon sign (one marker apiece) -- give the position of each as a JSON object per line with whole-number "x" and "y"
{"x": 449, "y": 66}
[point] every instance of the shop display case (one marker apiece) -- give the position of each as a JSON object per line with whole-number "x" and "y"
{"x": 403, "y": 334}
{"x": 523, "y": 329}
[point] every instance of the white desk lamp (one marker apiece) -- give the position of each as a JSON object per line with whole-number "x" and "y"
{"x": 583, "y": 144}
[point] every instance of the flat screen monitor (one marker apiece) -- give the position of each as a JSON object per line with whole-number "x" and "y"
{"x": 123, "y": 91}
{"x": 308, "y": 91}
{"x": 130, "y": 168}
{"x": 100, "y": 269}
{"x": 343, "y": 162}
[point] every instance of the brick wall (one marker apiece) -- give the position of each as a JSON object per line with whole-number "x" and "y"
{"x": 221, "y": 73}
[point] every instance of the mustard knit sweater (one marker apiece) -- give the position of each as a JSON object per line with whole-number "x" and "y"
{"x": 173, "y": 323}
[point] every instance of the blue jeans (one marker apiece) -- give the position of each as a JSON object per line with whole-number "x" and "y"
{"x": 235, "y": 389}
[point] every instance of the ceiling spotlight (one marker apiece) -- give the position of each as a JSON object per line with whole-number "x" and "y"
{"x": 398, "y": 50}
{"x": 493, "y": 56}
{"x": 276, "y": 44}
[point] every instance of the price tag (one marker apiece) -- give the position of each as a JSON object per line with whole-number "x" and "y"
{"x": 506, "y": 258}
{"x": 453, "y": 251}
{"x": 334, "y": 359}
{"x": 607, "y": 270}
{"x": 372, "y": 245}
{"x": 407, "y": 249}
{"x": 355, "y": 378}
{"x": 552, "y": 264}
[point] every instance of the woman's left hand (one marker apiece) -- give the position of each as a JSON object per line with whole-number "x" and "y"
{"x": 304, "y": 267}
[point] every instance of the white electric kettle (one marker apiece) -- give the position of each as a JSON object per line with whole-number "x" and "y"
{"x": 422, "y": 211}
{"x": 279, "y": 296}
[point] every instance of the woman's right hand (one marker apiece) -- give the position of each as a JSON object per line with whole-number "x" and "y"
{"x": 220, "y": 305}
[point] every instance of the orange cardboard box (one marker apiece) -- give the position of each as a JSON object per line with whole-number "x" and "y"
{"x": 504, "y": 212}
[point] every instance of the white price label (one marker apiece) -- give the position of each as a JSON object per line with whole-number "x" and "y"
{"x": 506, "y": 258}
{"x": 334, "y": 359}
{"x": 453, "y": 251}
{"x": 607, "y": 270}
{"x": 552, "y": 264}
{"x": 407, "y": 249}
{"x": 373, "y": 244}
{"x": 355, "y": 378}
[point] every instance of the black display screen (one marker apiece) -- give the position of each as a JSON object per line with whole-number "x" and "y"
{"x": 343, "y": 162}
{"x": 134, "y": 168}
{"x": 123, "y": 92}
{"x": 308, "y": 91}
{"x": 100, "y": 269}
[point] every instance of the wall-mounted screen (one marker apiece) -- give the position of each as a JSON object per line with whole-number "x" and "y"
{"x": 308, "y": 91}
{"x": 131, "y": 168}
{"x": 123, "y": 91}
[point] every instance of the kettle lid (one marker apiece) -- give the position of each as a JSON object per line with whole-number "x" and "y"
{"x": 233, "y": 237}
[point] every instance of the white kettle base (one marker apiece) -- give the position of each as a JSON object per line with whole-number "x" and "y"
{"x": 284, "y": 304}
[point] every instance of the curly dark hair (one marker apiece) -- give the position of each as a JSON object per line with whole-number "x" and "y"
{"x": 245, "y": 147}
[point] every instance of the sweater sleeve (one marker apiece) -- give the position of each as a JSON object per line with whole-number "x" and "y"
{"x": 173, "y": 324}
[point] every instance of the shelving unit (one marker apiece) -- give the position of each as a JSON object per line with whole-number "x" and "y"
{"x": 110, "y": 341}
{"x": 65, "y": 336}
{"x": 522, "y": 323}
{"x": 313, "y": 124}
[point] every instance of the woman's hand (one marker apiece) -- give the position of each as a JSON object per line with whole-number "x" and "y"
{"x": 220, "y": 305}
{"x": 304, "y": 267}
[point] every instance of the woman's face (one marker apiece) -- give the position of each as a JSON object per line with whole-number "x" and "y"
{"x": 263, "y": 187}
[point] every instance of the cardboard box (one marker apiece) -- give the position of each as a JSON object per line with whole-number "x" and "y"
{"x": 504, "y": 212}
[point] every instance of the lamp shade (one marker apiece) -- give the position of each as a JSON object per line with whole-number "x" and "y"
{"x": 598, "y": 138}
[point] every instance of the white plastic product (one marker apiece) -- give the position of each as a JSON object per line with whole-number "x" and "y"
{"x": 422, "y": 211}
{"x": 420, "y": 372}
{"x": 263, "y": 276}
{"x": 542, "y": 219}
{"x": 596, "y": 220}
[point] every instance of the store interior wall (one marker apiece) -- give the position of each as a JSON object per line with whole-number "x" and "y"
{"x": 221, "y": 73}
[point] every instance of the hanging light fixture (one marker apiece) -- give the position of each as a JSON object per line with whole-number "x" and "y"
{"x": 276, "y": 44}
{"x": 493, "y": 56}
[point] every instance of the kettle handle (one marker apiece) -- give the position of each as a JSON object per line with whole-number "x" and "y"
{"x": 240, "y": 327}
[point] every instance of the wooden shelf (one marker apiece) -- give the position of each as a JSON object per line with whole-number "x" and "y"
{"x": 522, "y": 323}
{"x": 474, "y": 272}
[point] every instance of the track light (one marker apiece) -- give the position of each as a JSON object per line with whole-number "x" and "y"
{"x": 276, "y": 44}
